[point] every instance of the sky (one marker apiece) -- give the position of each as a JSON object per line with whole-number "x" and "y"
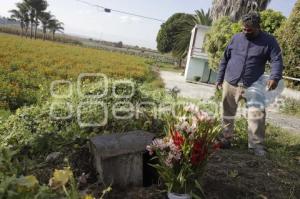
{"x": 91, "y": 22}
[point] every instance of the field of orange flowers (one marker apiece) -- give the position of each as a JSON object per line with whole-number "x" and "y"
{"x": 28, "y": 65}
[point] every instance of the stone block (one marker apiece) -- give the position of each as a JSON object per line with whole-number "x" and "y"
{"x": 119, "y": 157}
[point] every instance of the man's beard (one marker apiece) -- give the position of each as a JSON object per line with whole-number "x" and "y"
{"x": 249, "y": 35}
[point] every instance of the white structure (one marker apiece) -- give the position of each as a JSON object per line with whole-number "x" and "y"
{"x": 197, "y": 68}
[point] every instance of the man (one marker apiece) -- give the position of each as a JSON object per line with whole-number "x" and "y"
{"x": 243, "y": 64}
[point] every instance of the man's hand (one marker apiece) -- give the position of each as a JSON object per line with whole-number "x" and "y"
{"x": 271, "y": 84}
{"x": 219, "y": 86}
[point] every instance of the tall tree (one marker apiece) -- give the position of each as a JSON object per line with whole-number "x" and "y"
{"x": 202, "y": 18}
{"x": 21, "y": 14}
{"x": 36, "y": 7}
{"x": 236, "y": 8}
{"x": 45, "y": 19}
{"x": 174, "y": 35}
{"x": 183, "y": 36}
{"x": 168, "y": 30}
{"x": 55, "y": 26}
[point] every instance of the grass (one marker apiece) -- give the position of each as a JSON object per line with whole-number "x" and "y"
{"x": 169, "y": 67}
{"x": 283, "y": 146}
{"x": 16, "y": 30}
{"x": 4, "y": 114}
{"x": 291, "y": 107}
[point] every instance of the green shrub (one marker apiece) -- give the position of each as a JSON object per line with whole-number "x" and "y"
{"x": 36, "y": 128}
{"x": 271, "y": 20}
{"x": 289, "y": 38}
{"x": 218, "y": 38}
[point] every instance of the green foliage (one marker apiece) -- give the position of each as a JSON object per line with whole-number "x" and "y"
{"x": 17, "y": 185}
{"x": 4, "y": 114}
{"x": 289, "y": 38}
{"x": 202, "y": 18}
{"x": 175, "y": 34}
{"x": 28, "y": 67}
{"x": 271, "y": 20}
{"x": 218, "y": 38}
{"x": 283, "y": 146}
{"x": 13, "y": 185}
{"x": 183, "y": 37}
{"x": 166, "y": 35}
{"x": 37, "y": 128}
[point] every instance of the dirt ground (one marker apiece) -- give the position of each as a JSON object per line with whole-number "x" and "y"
{"x": 236, "y": 174}
{"x": 231, "y": 174}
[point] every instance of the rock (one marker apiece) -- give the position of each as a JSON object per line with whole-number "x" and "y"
{"x": 119, "y": 157}
{"x": 54, "y": 157}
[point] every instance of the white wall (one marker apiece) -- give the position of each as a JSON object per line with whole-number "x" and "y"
{"x": 201, "y": 31}
{"x": 196, "y": 61}
{"x": 195, "y": 68}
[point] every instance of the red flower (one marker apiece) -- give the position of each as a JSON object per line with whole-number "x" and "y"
{"x": 217, "y": 146}
{"x": 199, "y": 152}
{"x": 178, "y": 139}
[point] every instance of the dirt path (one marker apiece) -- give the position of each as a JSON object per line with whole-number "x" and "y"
{"x": 196, "y": 91}
{"x": 287, "y": 122}
{"x": 205, "y": 92}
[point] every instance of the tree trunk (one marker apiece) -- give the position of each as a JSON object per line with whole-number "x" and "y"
{"x": 235, "y": 9}
{"x": 180, "y": 63}
{"x": 22, "y": 30}
{"x": 44, "y": 33}
{"x": 53, "y": 34}
{"x": 35, "y": 31}
{"x": 26, "y": 31}
{"x": 31, "y": 30}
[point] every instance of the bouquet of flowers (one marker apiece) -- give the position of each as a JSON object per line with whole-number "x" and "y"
{"x": 183, "y": 153}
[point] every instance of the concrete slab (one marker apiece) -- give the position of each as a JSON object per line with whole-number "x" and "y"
{"x": 119, "y": 157}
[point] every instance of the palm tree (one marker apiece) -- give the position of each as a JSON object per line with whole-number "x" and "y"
{"x": 183, "y": 36}
{"x": 36, "y": 7}
{"x": 55, "y": 26}
{"x": 31, "y": 14}
{"x": 21, "y": 14}
{"x": 45, "y": 19}
{"x": 202, "y": 18}
{"x": 236, "y": 8}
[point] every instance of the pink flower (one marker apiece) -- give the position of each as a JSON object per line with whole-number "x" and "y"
{"x": 159, "y": 144}
{"x": 149, "y": 149}
{"x": 191, "y": 108}
{"x": 203, "y": 116}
